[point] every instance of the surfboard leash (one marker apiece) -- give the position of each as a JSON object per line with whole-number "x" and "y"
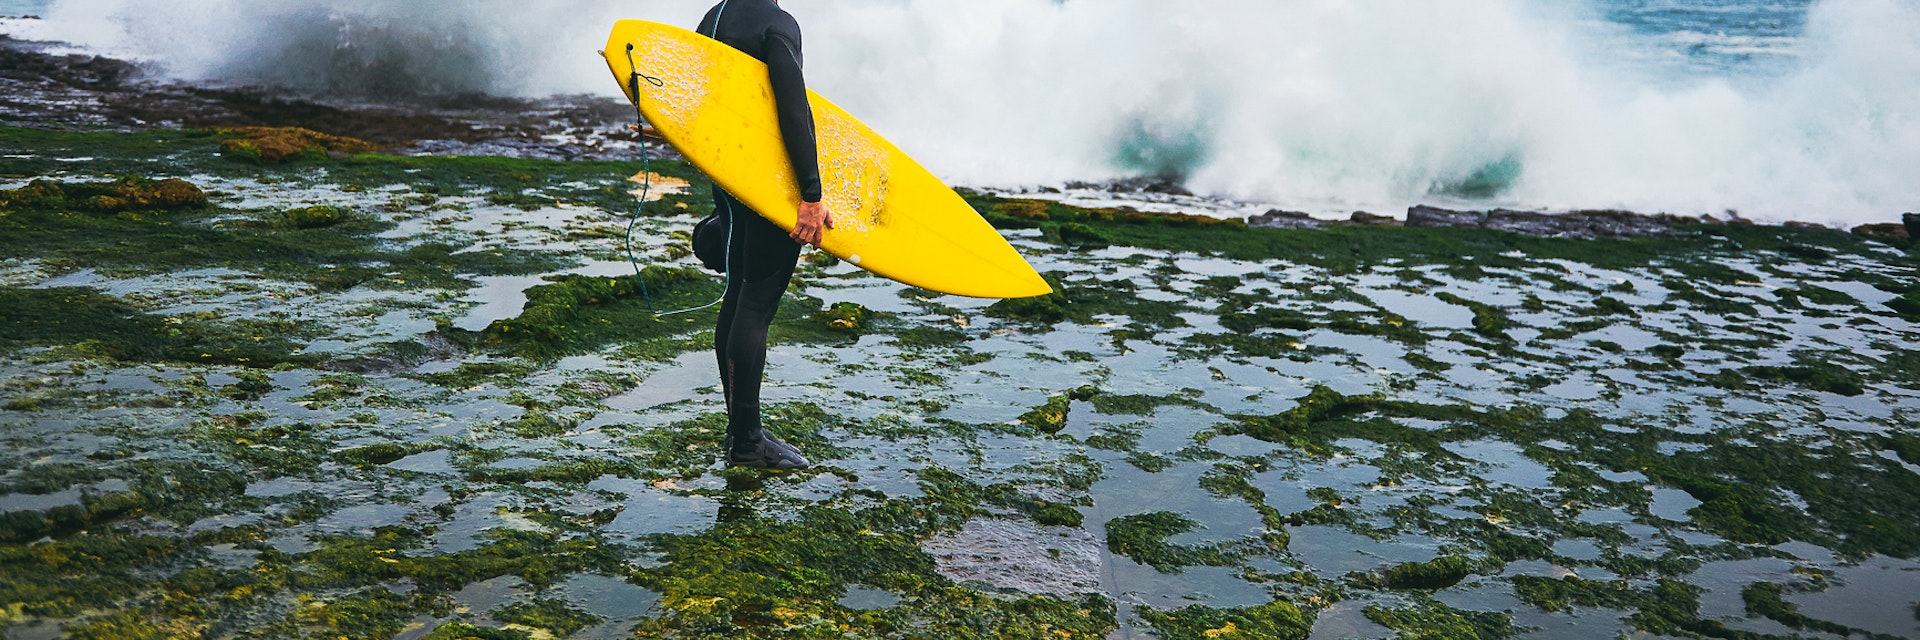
{"x": 646, "y": 187}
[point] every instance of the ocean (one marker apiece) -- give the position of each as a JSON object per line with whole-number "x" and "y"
{"x": 1777, "y": 109}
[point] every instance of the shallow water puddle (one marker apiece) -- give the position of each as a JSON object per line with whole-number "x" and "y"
{"x": 1199, "y": 437}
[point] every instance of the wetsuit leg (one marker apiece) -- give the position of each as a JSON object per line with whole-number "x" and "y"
{"x": 761, "y": 259}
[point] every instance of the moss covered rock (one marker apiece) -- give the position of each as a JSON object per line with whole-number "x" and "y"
{"x": 273, "y": 145}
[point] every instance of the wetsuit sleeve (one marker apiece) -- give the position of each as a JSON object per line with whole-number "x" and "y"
{"x": 707, "y": 27}
{"x": 782, "y": 54}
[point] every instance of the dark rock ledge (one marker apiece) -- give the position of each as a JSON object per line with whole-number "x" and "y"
{"x": 1584, "y": 224}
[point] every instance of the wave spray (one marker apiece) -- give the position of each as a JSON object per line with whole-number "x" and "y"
{"x": 1319, "y": 104}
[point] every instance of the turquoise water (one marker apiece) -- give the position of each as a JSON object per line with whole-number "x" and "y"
{"x": 23, "y": 7}
{"x": 1715, "y": 36}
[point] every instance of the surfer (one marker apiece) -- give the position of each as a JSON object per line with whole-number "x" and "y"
{"x": 760, "y": 255}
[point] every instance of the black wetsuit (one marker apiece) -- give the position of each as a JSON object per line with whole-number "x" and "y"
{"x": 760, "y": 255}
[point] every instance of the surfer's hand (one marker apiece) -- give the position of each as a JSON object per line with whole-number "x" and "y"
{"x": 814, "y": 217}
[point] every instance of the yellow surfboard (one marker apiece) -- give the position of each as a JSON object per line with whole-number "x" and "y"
{"x": 891, "y": 216}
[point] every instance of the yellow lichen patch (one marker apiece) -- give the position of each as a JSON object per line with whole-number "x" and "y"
{"x": 656, "y": 186}
{"x": 1023, "y": 209}
{"x": 1228, "y": 629}
{"x": 271, "y": 145}
{"x": 696, "y": 606}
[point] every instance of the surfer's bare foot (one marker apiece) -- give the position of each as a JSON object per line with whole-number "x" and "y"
{"x": 771, "y": 453}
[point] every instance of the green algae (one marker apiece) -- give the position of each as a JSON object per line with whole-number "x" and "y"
{"x": 1666, "y": 607}
{"x": 1765, "y": 599}
{"x": 1688, "y": 250}
{"x": 1561, "y": 594}
{"x": 549, "y": 614}
{"x": 1907, "y": 305}
{"x": 464, "y": 631}
{"x": 761, "y": 576}
{"x": 1788, "y": 485}
{"x": 380, "y": 453}
{"x": 131, "y": 195}
{"x": 276, "y": 145}
{"x": 366, "y": 614}
{"x": 1050, "y": 417}
{"x": 582, "y": 313}
{"x": 1819, "y": 377}
{"x": 597, "y": 184}
{"x": 1319, "y": 407}
{"x": 254, "y": 441}
{"x": 70, "y": 577}
{"x": 1488, "y": 320}
{"x": 1432, "y": 620}
{"x": 575, "y": 314}
{"x": 1438, "y": 573}
{"x": 88, "y": 322}
{"x": 540, "y": 558}
{"x": 173, "y": 490}
{"x": 474, "y": 373}
{"x": 846, "y": 316}
{"x": 324, "y": 246}
{"x": 1143, "y": 538}
{"x": 1083, "y": 300}
{"x": 1057, "y": 515}
{"x": 1277, "y": 620}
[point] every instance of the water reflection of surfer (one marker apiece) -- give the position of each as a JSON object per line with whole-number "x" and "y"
{"x": 760, "y": 255}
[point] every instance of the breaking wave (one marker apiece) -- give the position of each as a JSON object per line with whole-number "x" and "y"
{"x": 1318, "y": 104}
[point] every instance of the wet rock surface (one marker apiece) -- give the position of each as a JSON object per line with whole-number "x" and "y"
{"x": 1582, "y": 225}
{"x": 1019, "y": 555}
{"x": 43, "y": 89}
{"x": 1277, "y": 219}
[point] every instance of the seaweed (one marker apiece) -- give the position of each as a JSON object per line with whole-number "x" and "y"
{"x": 1082, "y": 301}
{"x": 366, "y": 614}
{"x": 464, "y": 631}
{"x": 1432, "y": 620}
{"x": 549, "y": 614}
{"x": 1826, "y": 377}
{"x": 767, "y": 576}
{"x": 274, "y": 448}
{"x": 274, "y": 145}
{"x": 1143, "y": 538}
{"x": 1276, "y": 620}
{"x": 1561, "y": 594}
{"x": 1907, "y": 305}
{"x": 1438, "y": 573}
{"x": 1488, "y": 320}
{"x": 66, "y": 578}
{"x": 97, "y": 324}
{"x": 1050, "y": 417}
{"x": 581, "y": 313}
{"x": 1765, "y": 599}
{"x": 132, "y": 195}
{"x": 330, "y": 248}
{"x": 1318, "y": 406}
{"x": 374, "y": 455}
{"x": 788, "y": 547}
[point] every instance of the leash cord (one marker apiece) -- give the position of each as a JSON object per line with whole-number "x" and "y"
{"x": 646, "y": 187}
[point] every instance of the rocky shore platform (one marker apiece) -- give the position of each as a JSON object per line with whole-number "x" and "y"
{"x": 266, "y": 378}
{"x": 1583, "y": 225}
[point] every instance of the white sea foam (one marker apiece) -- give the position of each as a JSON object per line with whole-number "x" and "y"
{"x": 1325, "y": 104}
